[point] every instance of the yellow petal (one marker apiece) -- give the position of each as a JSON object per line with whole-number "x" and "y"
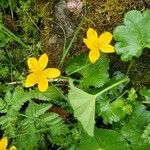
{"x": 13, "y": 148}
{"x": 105, "y": 37}
{"x": 107, "y": 48}
{"x": 92, "y": 34}
{"x": 43, "y": 84}
{"x": 43, "y": 60}
{"x": 33, "y": 64}
{"x": 89, "y": 43}
{"x": 94, "y": 55}
{"x": 3, "y": 143}
{"x": 31, "y": 80}
{"x": 51, "y": 73}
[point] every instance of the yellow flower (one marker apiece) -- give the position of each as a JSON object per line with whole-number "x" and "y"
{"x": 39, "y": 74}
{"x": 4, "y": 144}
{"x": 97, "y": 44}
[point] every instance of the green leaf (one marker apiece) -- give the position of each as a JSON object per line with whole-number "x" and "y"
{"x": 132, "y": 94}
{"x": 19, "y": 97}
{"x": 95, "y": 74}
{"x": 134, "y": 128}
{"x": 3, "y": 106}
{"x": 132, "y": 37}
{"x": 146, "y": 134}
{"x": 112, "y": 111}
{"x": 116, "y": 91}
{"x": 77, "y": 63}
{"x": 103, "y": 140}
{"x": 146, "y": 93}
{"x": 53, "y": 93}
{"x": 36, "y": 110}
{"x": 83, "y": 105}
{"x": 29, "y": 140}
{"x": 8, "y": 97}
{"x": 48, "y": 119}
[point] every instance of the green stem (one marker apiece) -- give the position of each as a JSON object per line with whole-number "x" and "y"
{"x": 126, "y": 79}
{"x": 131, "y": 64}
{"x": 10, "y": 4}
{"x": 70, "y": 44}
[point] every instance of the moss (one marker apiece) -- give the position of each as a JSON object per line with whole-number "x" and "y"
{"x": 140, "y": 71}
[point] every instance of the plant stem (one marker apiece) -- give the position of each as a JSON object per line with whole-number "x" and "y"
{"x": 70, "y": 44}
{"x": 131, "y": 64}
{"x": 126, "y": 79}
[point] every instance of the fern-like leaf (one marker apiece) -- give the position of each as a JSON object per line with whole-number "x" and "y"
{"x": 36, "y": 110}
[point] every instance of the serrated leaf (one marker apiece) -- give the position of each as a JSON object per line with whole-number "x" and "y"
{"x": 3, "y": 106}
{"x": 83, "y": 105}
{"x": 134, "y": 127}
{"x": 30, "y": 139}
{"x": 146, "y": 134}
{"x": 19, "y": 97}
{"x": 132, "y": 37}
{"x": 103, "y": 140}
{"x": 5, "y": 119}
{"x": 52, "y": 93}
{"x": 112, "y": 111}
{"x": 8, "y": 97}
{"x": 109, "y": 104}
{"x": 48, "y": 119}
{"x": 76, "y": 64}
{"x": 96, "y": 74}
{"x": 59, "y": 129}
{"x": 35, "y": 110}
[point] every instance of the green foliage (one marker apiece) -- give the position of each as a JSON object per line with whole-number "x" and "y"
{"x": 146, "y": 134}
{"x": 146, "y": 93}
{"x": 96, "y": 75}
{"x": 132, "y": 37}
{"x": 133, "y": 129}
{"x": 77, "y": 63}
{"x": 52, "y": 94}
{"x": 84, "y": 109}
{"x": 112, "y": 106}
{"x": 132, "y": 94}
{"x": 113, "y": 111}
{"x": 103, "y": 140}
{"x": 7, "y": 36}
{"x": 4, "y": 71}
{"x": 35, "y": 110}
{"x": 92, "y": 74}
{"x": 30, "y": 125}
